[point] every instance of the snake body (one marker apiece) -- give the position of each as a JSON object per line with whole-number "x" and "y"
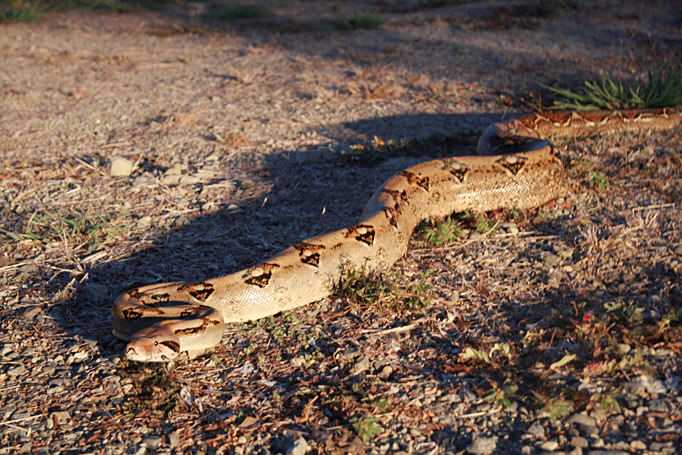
{"x": 162, "y": 321}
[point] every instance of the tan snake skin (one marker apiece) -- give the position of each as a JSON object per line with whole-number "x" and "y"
{"x": 162, "y": 321}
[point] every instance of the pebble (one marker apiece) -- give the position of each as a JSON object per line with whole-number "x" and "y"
{"x": 152, "y": 442}
{"x": 510, "y": 228}
{"x": 483, "y": 445}
{"x": 536, "y": 430}
{"x": 637, "y": 445}
{"x": 551, "y": 259}
{"x": 623, "y": 348}
{"x": 550, "y": 446}
{"x": 299, "y": 447}
{"x": 585, "y": 422}
{"x": 645, "y": 384}
{"x": 579, "y": 442}
{"x": 121, "y": 167}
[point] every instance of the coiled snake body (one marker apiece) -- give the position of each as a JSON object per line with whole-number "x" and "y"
{"x": 161, "y": 321}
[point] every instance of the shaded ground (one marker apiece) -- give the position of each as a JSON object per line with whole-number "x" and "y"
{"x": 556, "y": 329}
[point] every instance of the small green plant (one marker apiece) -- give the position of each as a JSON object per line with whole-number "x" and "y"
{"x": 606, "y": 402}
{"x": 418, "y": 296}
{"x": 504, "y": 397}
{"x": 21, "y": 11}
{"x": 483, "y": 224}
{"x": 362, "y": 287}
{"x": 557, "y": 408}
{"x": 359, "y": 21}
{"x": 442, "y": 233}
{"x": 661, "y": 89}
{"x": 74, "y": 227}
{"x": 367, "y": 428}
{"x": 599, "y": 180}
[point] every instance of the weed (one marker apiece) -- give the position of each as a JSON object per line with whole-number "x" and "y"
{"x": 359, "y": 21}
{"x": 599, "y": 180}
{"x": 417, "y": 297}
{"x": 661, "y": 89}
{"x": 439, "y": 234}
{"x": 367, "y": 428}
{"x": 607, "y": 403}
{"x": 503, "y": 397}
{"x": 362, "y": 287}
{"x": 76, "y": 228}
{"x": 483, "y": 224}
{"x": 557, "y": 408}
{"x": 21, "y": 11}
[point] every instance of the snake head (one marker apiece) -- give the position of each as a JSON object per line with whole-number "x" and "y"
{"x": 153, "y": 349}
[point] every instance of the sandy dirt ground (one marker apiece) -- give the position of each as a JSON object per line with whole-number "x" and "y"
{"x": 175, "y": 145}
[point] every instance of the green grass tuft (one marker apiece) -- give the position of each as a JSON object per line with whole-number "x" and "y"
{"x": 442, "y": 233}
{"x": 367, "y": 428}
{"x": 359, "y": 21}
{"x": 661, "y": 89}
{"x": 21, "y": 11}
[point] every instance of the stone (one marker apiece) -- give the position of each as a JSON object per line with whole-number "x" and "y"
{"x": 299, "y": 447}
{"x": 579, "y": 441}
{"x": 121, "y": 167}
{"x": 637, "y": 445}
{"x": 550, "y": 446}
{"x": 585, "y": 422}
{"x": 536, "y": 430}
{"x": 645, "y": 384}
{"x": 483, "y": 445}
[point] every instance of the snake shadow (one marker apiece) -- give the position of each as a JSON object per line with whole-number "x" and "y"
{"x": 310, "y": 191}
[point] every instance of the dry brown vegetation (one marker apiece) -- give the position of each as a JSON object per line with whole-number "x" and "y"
{"x": 240, "y": 131}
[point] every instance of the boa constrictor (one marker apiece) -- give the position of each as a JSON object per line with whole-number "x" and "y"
{"x": 161, "y": 321}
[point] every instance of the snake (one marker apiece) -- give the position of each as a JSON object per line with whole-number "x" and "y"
{"x": 515, "y": 166}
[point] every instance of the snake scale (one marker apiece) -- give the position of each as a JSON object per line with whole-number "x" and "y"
{"x": 162, "y": 321}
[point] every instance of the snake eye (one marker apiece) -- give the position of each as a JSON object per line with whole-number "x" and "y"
{"x": 156, "y": 343}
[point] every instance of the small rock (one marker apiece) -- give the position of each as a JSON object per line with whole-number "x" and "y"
{"x": 174, "y": 438}
{"x": 536, "y": 430}
{"x": 678, "y": 249}
{"x": 483, "y": 445}
{"x": 658, "y": 406}
{"x": 17, "y": 371}
{"x": 299, "y": 447}
{"x": 565, "y": 253}
{"x": 144, "y": 181}
{"x": 551, "y": 260}
{"x": 659, "y": 446}
{"x": 152, "y": 442}
{"x": 645, "y": 384}
{"x": 360, "y": 366}
{"x": 121, "y": 167}
{"x": 550, "y": 446}
{"x": 510, "y": 228}
{"x": 623, "y": 348}
{"x": 385, "y": 372}
{"x": 579, "y": 441}
{"x": 32, "y": 313}
{"x": 176, "y": 169}
{"x": 585, "y": 422}
{"x": 597, "y": 442}
{"x": 637, "y": 445}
